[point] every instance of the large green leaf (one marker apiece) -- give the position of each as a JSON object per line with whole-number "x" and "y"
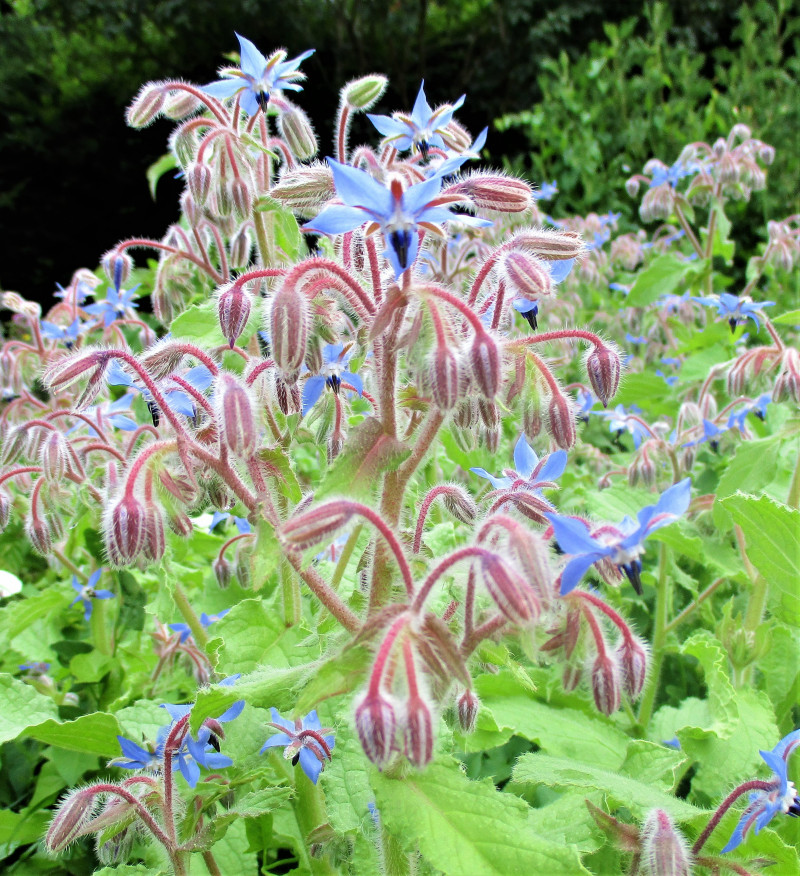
{"x": 662, "y": 277}
{"x": 753, "y": 466}
{"x": 23, "y": 707}
{"x": 199, "y": 323}
{"x": 93, "y": 734}
{"x": 18, "y": 616}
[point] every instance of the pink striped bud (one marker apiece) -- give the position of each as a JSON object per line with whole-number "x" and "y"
{"x": 665, "y": 851}
{"x": 632, "y": 656}
{"x": 376, "y": 724}
{"x": 298, "y": 132}
{"x": 489, "y": 414}
{"x": 233, "y": 308}
{"x": 146, "y": 105}
{"x": 40, "y": 534}
{"x": 289, "y": 330}
{"x": 549, "y": 243}
{"x": 460, "y": 504}
{"x": 603, "y": 366}
{"x": 466, "y": 414}
{"x": 72, "y": 818}
{"x": 527, "y": 275}
{"x": 241, "y": 197}
{"x": 89, "y": 361}
{"x": 533, "y": 556}
{"x": 493, "y": 191}
{"x": 512, "y": 594}
{"x": 364, "y": 93}
{"x": 180, "y": 524}
{"x": 656, "y": 204}
{"x": 124, "y": 528}
{"x": 306, "y": 189}
{"x": 117, "y": 266}
{"x": 183, "y": 144}
{"x": 605, "y": 683}
{"x": 154, "y": 542}
{"x": 316, "y": 525}
{"x": 335, "y": 446}
{"x": 198, "y": 178}
{"x": 571, "y": 677}
{"x": 484, "y": 359}
{"x": 241, "y": 247}
{"x": 222, "y": 571}
{"x": 417, "y": 732}
{"x": 444, "y": 377}
{"x": 180, "y": 104}
{"x": 642, "y": 468}
{"x": 54, "y": 456}
{"x": 235, "y": 412}
{"x": 467, "y": 711}
{"x": 491, "y": 438}
{"x": 5, "y": 511}
{"x": 243, "y": 567}
{"x": 561, "y": 421}
{"x": 632, "y": 186}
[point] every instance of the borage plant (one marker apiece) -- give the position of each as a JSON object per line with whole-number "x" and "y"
{"x": 389, "y": 631}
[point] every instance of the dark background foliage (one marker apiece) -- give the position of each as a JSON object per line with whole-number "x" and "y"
{"x": 72, "y": 175}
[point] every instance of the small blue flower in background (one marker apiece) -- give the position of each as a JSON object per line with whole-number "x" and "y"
{"x": 546, "y": 191}
{"x": 529, "y": 473}
{"x": 736, "y": 310}
{"x": 766, "y": 804}
{"x": 758, "y": 407}
{"x": 112, "y": 412}
{"x": 711, "y": 433}
{"x": 205, "y": 619}
{"x": 307, "y": 741}
{"x": 398, "y": 213}
{"x": 118, "y": 304}
{"x": 585, "y": 402}
{"x": 135, "y": 757}
{"x": 179, "y": 401}
{"x": 622, "y": 544}
{"x": 620, "y": 420}
{"x": 87, "y": 592}
{"x": 334, "y": 370}
{"x": 68, "y": 334}
{"x": 634, "y": 339}
{"x": 661, "y": 174}
{"x": 241, "y": 522}
{"x": 422, "y": 130}
{"x": 35, "y": 668}
{"x": 258, "y": 77}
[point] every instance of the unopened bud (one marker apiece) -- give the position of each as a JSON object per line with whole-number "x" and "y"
{"x": 444, "y": 376}
{"x": 632, "y": 655}
{"x": 533, "y": 556}
{"x": 766, "y": 153}
{"x": 236, "y": 418}
{"x": 40, "y": 534}
{"x": 72, "y": 817}
{"x": 117, "y": 266}
{"x": 181, "y": 104}
{"x": 241, "y": 248}
{"x": 605, "y": 684}
{"x": 512, "y": 594}
{"x": 222, "y": 571}
{"x": 65, "y": 371}
{"x": 198, "y": 178}
{"x": 642, "y": 468}
{"x": 146, "y": 105}
{"x": 527, "y": 275}
{"x": 465, "y": 414}
{"x": 489, "y": 413}
{"x": 665, "y": 852}
{"x": 289, "y": 330}
{"x": 657, "y": 203}
{"x": 460, "y": 504}
{"x": 364, "y": 93}
{"x": 491, "y": 438}
{"x": 296, "y": 129}
{"x": 243, "y": 567}
{"x": 467, "y": 711}
{"x": 603, "y": 366}
{"x": 493, "y": 191}
{"x": 241, "y": 197}
{"x": 54, "y": 456}
{"x": 418, "y": 732}
{"x": 550, "y": 244}
{"x": 288, "y": 396}
{"x": 317, "y": 525}
{"x": 632, "y": 186}
{"x": 180, "y": 524}
{"x": 484, "y": 359}
{"x": 5, "y": 511}
{"x": 571, "y": 677}
{"x": 727, "y": 169}
{"x": 335, "y": 446}
{"x": 233, "y": 308}
{"x": 124, "y": 530}
{"x": 305, "y": 189}
{"x": 154, "y": 543}
{"x": 561, "y": 421}
{"x": 376, "y": 725}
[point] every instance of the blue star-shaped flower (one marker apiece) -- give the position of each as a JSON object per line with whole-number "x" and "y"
{"x": 623, "y": 544}
{"x": 135, "y": 757}
{"x": 118, "y": 304}
{"x": 736, "y": 310}
{"x": 334, "y": 364}
{"x": 179, "y": 401}
{"x": 546, "y": 191}
{"x": 766, "y": 804}
{"x": 258, "y": 77}
{"x": 758, "y": 407}
{"x": 87, "y": 592}
{"x": 531, "y": 473}
{"x": 398, "y": 213}
{"x": 671, "y": 175}
{"x": 422, "y": 130}
{"x": 66, "y": 334}
{"x": 620, "y": 420}
{"x": 711, "y": 433}
{"x": 307, "y": 741}
{"x": 205, "y": 619}
{"x": 241, "y": 522}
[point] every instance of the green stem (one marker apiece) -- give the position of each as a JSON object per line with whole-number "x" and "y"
{"x": 793, "y": 500}
{"x": 663, "y": 599}
{"x": 211, "y": 864}
{"x": 265, "y": 247}
{"x": 81, "y": 576}
{"x": 679, "y": 619}
{"x": 292, "y": 606}
{"x": 188, "y": 614}
{"x": 395, "y": 861}
{"x": 344, "y": 559}
{"x": 309, "y": 810}
{"x": 689, "y": 231}
{"x": 102, "y": 626}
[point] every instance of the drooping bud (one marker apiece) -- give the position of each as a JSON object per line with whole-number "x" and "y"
{"x": 571, "y": 677}
{"x": 316, "y": 525}
{"x": 632, "y": 186}
{"x": 222, "y": 571}
{"x": 233, "y": 308}
{"x": 90, "y": 361}
{"x": 561, "y": 421}
{"x": 236, "y": 418}
{"x": 657, "y": 203}
{"x": 376, "y": 724}
{"x": 40, "y": 534}
{"x": 493, "y": 191}
{"x": 146, "y": 105}
{"x": 241, "y": 197}
{"x": 444, "y": 377}
{"x": 5, "y": 510}
{"x": 512, "y": 594}
{"x": 489, "y": 413}
{"x": 605, "y": 683}
{"x": 550, "y": 244}
{"x": 72, "y": 817}
{"x": 198, "y": 178}
{"x": 154, "y": 542}
{"x": 533, "y": 556}
{"x": 484, "y": 359}
{"x": 298, "y": 132}
{"x": 364, "y": 93}
{"x": 632, "y": 655}
{"x": 306, "y": 189}
{"x": 118, "y": 267}
{"x": 467, "y": 711}
{"x": 124, "y": 529}
{"x": 54, "y": 456}
{"x": 241, "y": 247}
{"x": 418, "y": 732}
{"x": 665, "y": 851}
{"x": 180, "y": 104}
{"x": 527, "y": 275}
{"x": 642, "y": 467}
{"x": 289, "y": 330}
{"x": 180, "y": 524}
{"x": 603, "y": 366}
{"x": 288, "y": 396}
{"x": 460, "y": 504}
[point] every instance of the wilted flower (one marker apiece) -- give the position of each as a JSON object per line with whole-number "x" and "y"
{"x": 306, "y": 741}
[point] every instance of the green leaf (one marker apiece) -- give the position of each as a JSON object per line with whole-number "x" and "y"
{"x": 199, "y": 323}
{"x": 792, "y": 317}
{"x": 253, "y": 805}
{"x": 340, "y": 675}
{"x": 277, "y": 463}
{"x": 467, "y": 827}
{"x": 345, "y": 781}
{"x": 662, "y": 277}
{"x": 23, "y": 707}
{"x": 753, "y": 466}
{"x": 20, "y": 828}
{"x": 654, "y": 764}
{"x": 90, "y": 668}
{"x": 156, "y": 170}
{"x": 18, "y": 616}
{"x": 772, "y": 535}
{"x": 93, "y": 734}
{"x": 282, "y": 228}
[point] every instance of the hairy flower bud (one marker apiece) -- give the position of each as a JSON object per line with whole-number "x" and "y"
{"x": 117, "y": 266}
{"x": 236, "y": 419}
{"x": 512, "y": 594}
{"x": 467, "y": 710}
{"x": 561, "y": 421}
{"x": 241, "y": 247}
{"x": 124, "y": 528}
{"x": 603, "y": 366}
{"x": 289, "y": 330}
{"x": 417, "y": 732}
{"x": 305, "y": 190}
{"x": 198, "y": 178}
{"x": 66, "y": 370}
{"x": 40, "y": 534}
{"x": 180, "y": 104}
{"x": 180, "y": 524}
{"x": 5, "y": 511}
{"x": 364, "y": 93}
{"x": 550, "y": 244}
{"x": 657, "y": 203}
{"x": 146, "y": 105}
{"x": 605, "y": 683}
{"x": 493, "y": 191}
{"x": 527, "y": 275}
{"x": 296, "y": 129}
{"x": 571, "y": 677}
{"x": 72, "y": 817}
{"x": 460, "y": 504}
{"x": 154, "y": 542}
{"x": 489, "y": 413}
{"x": 484, "y": 359}
{"x": 665, "y": 851}
{"x": 632, "y": 186}
{"x": 241, "y": 197}
{"x": 444, "y": 377}
{"x": 54, "y": 456}
{"x": 632, "y": 656}
{"x": 316, "y": 525}
{"x": 376, "y": 724}
{"x": 233, "y": 308}
{"x": 222, "y": 571}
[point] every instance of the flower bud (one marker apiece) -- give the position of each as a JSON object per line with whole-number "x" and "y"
{"x": 233, "y": 308}
{"x": 66, "y": 370}
{"x": 40, "y": 534}
{"x": 728, "y": 169}
{"x": 222, "y": 571}
{"x": 72, "y": 817}
{"x": 533, "y": 556}
{"x": 306, "y": 189}
{"x": 241, "y": 197}
{"x": 180, "y": 524}
{"x": 364, "y": 93}
{"x": 605, "y": 684}
{"x": 550, "y": 244}
{"x": 198, "y": 178}
{"x": 288, "y": 396}
{"x": 491, "y": 438}
{"x": 766, "y": 153}
{"x": 146, "y": 105}
{"x": 5, "y": 511}
{"x": 561, "y": 421}
{"x": 603, "y": 367}
{"x": 54, "y": 456}
{"x": 316, "y": 525}
{"x": 335, "y": 446}
{"x": 289, "y": 330}
{"x": 241, "y": 248}
{"x": 124, "y": 530}
{"x": 514, "y": 597}
{"x": 117, "y": 266}
{"x": 243, "y": 567}
{"x": 632, "y": 186}
{"x": 154, "y": 542}
{"x": 489, "y": 414}
{"x": 467, "y": 711}
{"x": 493, "y": 191}
{"x": 527, "y": 275}
{"x": 235, "y": 412}
{"x": 418, "y": 732}
{"x": 632, "y": 656}
{"x": 657, "y": 203}
{"x": 296, "y": 129}
{"x": 571, "y": 677}
{"x": 642, "y": 467}
{"x": 465, "y": 414}
{"x": 181, "y": 104}
{"x": 664, "y": 849}
{"x": 444, "y": 378}
{"x": 460, "y": 504}
{"x": 484, "y": 359}
{"x": 376, "y": 725}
